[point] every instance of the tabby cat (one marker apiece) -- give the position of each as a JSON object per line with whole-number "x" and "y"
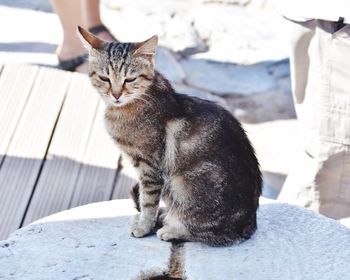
{"x": 189, "y": 152}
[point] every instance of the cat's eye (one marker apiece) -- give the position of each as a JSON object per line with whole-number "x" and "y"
{"x": 130, "y": 80}
{"x": 103, "y": 78}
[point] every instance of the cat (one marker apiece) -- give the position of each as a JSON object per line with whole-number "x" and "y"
{"x": 191, "y": 153}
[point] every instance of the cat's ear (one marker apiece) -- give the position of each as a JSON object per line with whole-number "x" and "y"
{"x": 147, "y": 47}
{"x": 90, "y": 41}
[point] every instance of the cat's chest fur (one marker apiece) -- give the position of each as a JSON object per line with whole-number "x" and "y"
{"x": 139, "y": 136}
{"x": 149, "y": 137}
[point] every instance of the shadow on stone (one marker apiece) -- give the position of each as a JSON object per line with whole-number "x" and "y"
{"x": 28, "y": 47}
{"x": 38, "y": 5}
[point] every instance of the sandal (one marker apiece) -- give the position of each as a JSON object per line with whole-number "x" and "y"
{"x": 72, "y": 64}
{"x": 101, "y": 28}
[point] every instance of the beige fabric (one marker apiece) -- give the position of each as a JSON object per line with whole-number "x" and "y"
{"x": 320, "y": 70}
{"x": 303, "y": 10}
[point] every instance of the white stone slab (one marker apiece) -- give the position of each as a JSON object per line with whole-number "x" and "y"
{"x": 345, "y": 222}
{"x": 91, "y": 242}
{"x": 290, "y": 243}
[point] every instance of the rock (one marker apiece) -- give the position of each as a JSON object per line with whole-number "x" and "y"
{"x": 91, "y": 242}
{"x": 291, "y": 243}
{"x": 166, "y": 18}
{"x": 262, "y": 107}
{"x": 199, "y": 93}
{"x": 240, "y": 34}
{"x": 139, "y": 25}
{"x": 280, "y": 69}
{"x": 345, "y": 222}
{"x": 180, "y": 36}
{"x": 167, "y": 64}
{"x": 226, "y": 79}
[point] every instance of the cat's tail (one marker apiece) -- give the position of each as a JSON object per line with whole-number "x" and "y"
{"x": 235, "y": 235}
{"x": 135, "y": 196}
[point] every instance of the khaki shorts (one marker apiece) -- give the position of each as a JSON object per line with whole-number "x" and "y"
{"x": 320, "y": 71}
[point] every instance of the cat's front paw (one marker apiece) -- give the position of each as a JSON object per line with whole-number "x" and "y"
{"x": 168, "y": 233}
{"x": 140, "y": 227}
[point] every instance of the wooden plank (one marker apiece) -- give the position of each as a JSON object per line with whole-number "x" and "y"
{"x": 16, "y": 82}
{"x": 126, "y": 179}
{"x": 59, "y": 175}
{"x": 28, "y": 146}
{"x": 99, "y": 169}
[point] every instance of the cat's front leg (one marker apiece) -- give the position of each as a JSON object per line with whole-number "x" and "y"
{"x": 149, "y": 196}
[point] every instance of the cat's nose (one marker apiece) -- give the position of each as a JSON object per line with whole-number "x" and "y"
{"x": 116, "y": 95}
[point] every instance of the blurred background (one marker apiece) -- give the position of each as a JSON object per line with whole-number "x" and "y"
{"x": 234, "y": 52}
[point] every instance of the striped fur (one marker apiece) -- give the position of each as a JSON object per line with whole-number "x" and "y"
{"x": 189, "y": 152}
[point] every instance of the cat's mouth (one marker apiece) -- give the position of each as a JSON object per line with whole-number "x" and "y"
{"x": 117, "y": 103}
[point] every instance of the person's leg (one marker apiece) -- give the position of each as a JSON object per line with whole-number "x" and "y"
{"x": 321, "y": 177}
{"x": 70, "y": 15}
{"x": 91, "y": 12}
{"x": 92, "y": 17}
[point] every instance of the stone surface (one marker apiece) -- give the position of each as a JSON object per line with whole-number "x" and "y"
{"x": 167, "y": 64}
{"x": 225, "y": 79}
{"x": 291, "y": 243}
{"x": 243, "y": 35}
{"x": 345, "y": 222}
{"x": 200, "y": 94}
{"x": 91, "y": 242}
{"x": 262, "y": 107}
{"x": 181, "y": 36}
